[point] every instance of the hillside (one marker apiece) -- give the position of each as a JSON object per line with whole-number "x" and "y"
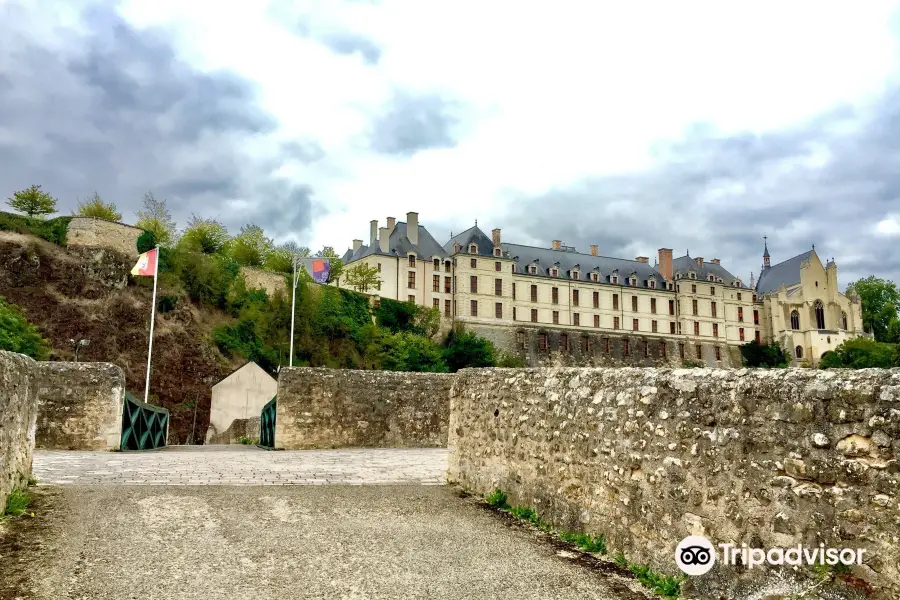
{"x": 73, "y": 294}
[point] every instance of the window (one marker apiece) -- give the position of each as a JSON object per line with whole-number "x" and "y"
{"x": 514, "y": 313}
{"x": 672, "y": 327}
{"x": 595, "y": 277}
{"x": 497, "y": 266}
{"x": 436, "y": 283}
{"x": 564, "y": 342}
{"x": 798, "y": 351}
{"x": 634, "y": 324}
{"x": 498, "y": 287}
{"x": 534, "y": 293}
{"x": 615, "y": 279}
{"x": 699, "y": 351}
{"x": 498, "y": 252}
{"x": 534, "y": 315}
{"x": 715, "y": 330}
{"x": 577, "y": 319}
{"x": 843, "y": 320}
{"x": 473, "y": 284}
{"x": 681, "y": 350}
{"x": 412, "y": 261}
{"x": 379, "y": 267}
{"x": 473, "y": 308}
{"x": 532, "y": 269}
{"x": 615, "y": 302}
{"x": 556, "y": 317}
{"x": 741, "y": 333}
{"x": 712, "y": 291}
{"x": 514, "y": 291}
{"x": 555, "y": 295}
{"x": 498, "y": 310}
{"x": 437, "y": 264}
{"x": 446, "y": 308}
{"x": 436, "y": 303}
{"x": 634, "y": 304}
{"x": 741, "y": 314}
{"x": 446, "y": 285}
{"x": 795, "y": 320}
{"x": 693, "y": 289}
{"x": 512, "y": 268}
{"x": 542, "y": 341}
{"x": 411, "y": 298}
{"x": 411, "y": 280}
{"x": 652, "y": 284}
{"x": 633, "y": 282}
{"x": 694, "y": 306}
{"x": 596, "y": 320}
{"x": 718, "y": 353}
{"x": 615, "y": 322}
{"x": 820, "y": 315}
{"x": 653, "y": 326}
{"x": 473, "y": 263}
{"x": 473, "y": 249}
{"x": 712, "y": 306}
{"x": 738, "y": 296}
{"x": 696, "y": 328}
{"x": 653, "y": 305}
{"x": 627, "y": 348}
{"x": 756, "y": 317}
{"x": 646, "y": 348}
{"x": 605, "y": 345}
{"x": 756, "y": 337}
{"x": 671, "y": 307}
{"x": 585, "y": 345}
{"x": 596, "y": 299}
{"x": 693, "y": 276}
{"x": 447, "y": 265}
{"x": 520, "y": 338}
{"x": 574, "y": 297}
{"x": 554, "y": 272}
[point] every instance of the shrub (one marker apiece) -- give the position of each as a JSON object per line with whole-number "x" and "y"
{"x": 410, "y": 352}
{"x": 167, "y": 304}
{"x": 772, "y": 354}
{"x": 861, "y": 353}
{"x": 52, "y": 230}
{"x": 497, "y": 499}
{"x": 16, "y": 503}
{"x": 465, "y": 349}
{"x": 96, "y": 207}
{"x": 18, "y": 335}
{"x": 146, "y": 241}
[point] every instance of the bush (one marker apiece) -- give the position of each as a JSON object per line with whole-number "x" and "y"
{"x": 167, "y": 304}
{"x": 206, "y": 279}
{"x": 772, "y": 354}
{"x": 862, "y": 353}
{"x": 410, "y": 352}
{"x": 465, "y": 349}
{"x": 52, "y": 230}
{"x": 18, "y": 335}
{"x": 146, "y": 241}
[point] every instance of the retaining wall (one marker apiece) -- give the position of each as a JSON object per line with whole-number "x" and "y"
{"x": 18, "y": 414}
{"x": 92, "y": 232}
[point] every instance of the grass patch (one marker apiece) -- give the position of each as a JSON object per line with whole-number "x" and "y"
{"x": 247, "y": 441}
{"x": 586, "y": 542}
{"x": 497, "y": 499}
{"x": 32, "y": 481}
{"x": 666, "y": 586}
{"x": 16, "y": 503}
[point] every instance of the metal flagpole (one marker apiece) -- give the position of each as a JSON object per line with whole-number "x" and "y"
{"x": 152, "y": 319}
{"x": 293, "y": 303}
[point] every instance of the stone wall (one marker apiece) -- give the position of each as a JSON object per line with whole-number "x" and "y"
{"x": 333, "y": 408}
{"x": 98, "y": 233}
{"x": 264, "y": 280}
{"x": 771, "y": 458}
{"x": 79, "y": 406}
{"x": 240, "y": 428}
{"x": 18, "y": 412}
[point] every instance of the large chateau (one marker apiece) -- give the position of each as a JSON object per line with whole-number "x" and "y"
{"x": 557, "y": 301}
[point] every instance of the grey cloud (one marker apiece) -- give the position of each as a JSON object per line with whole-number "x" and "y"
{"x": 410, "y": 123}
{"x": 303, "y": 151}
{"x": 112, "y": 108}
{"x": 348, "y": 43}
{"x": 717, "y": 195}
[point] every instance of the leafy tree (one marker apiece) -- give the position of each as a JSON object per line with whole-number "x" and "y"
{"x": 764, "y": 355}
{"x": 204, "y": 235}
{"x": 862, "y": 353}
{"x": 880, "y": 307}
{"x": 336, "y": 265}
{"x": 33, "y": 201}
{"x": 410, "y": 352}
{"x": 363, "y": 277}
{"x": 465, "y": 349}
{"x": 296, "y": 249}
{"x": 146, "y": 241}
{"x": 96, "y": 207}
{"x": 18, "y": 335}
{"x": 250, "y": 247}
{"x": 156, "y": 217}
{"x": 281, "y": 258}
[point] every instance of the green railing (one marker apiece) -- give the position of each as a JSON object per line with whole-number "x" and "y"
{"x": 144, "y": 426}
{"x": 267, "y": 424}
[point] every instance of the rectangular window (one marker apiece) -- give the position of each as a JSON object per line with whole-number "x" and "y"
{"x": 681, "y": 350}
{"x": 672, "y": 327}
{"x": 379, "y": 267}
{"x": 412, "y": 261}
{"x": 694, "y": 306}
{"x": 564, "y": 342}
{"x": 574, "y": 297}
{"x": 534, "y": 293}
{"x": 411, "y": 298}
{"x": 596, "y": 299}
{"x": 497, "y": 266}
{"x": 756, "y": 337}
{"x": 741, "y": 333}
{"x": 693, "y": 288}
{"x": 436, "y": 283}
{"x": 699, "y": 351}
{"x": 627, "y": 348}
{"x": 454, "y": 285}
{"x": 634, "y": 324}
{"x": 741, "y": 314}
{"x": 653, "y": 305}
{"x": 646, "y": 348}
{"x": 555, "y": 295}
{"x": 514, "y": 313}
{"x": 696, "y": 328}
{"x": 671, "y": 307}
{"x": 634, "y": 304}
{"x": 712, "y": 291}
{"x": 662, "y": 350}
{"x": 718, "y": 353}
{"x": 473, "y": 308}
{"x": 606, "y": 345}
{"x": 653, "y": 326}
{"x": 446, "y": 308}
{"x": 577, "y": 318}
{"x": 596, "y": 320}
{"x": 520, "y": 338}
{"x": 473, "y": 263}
{"x": 437, "y": 264}
{"x": 514, "y": 291}
{"x": 498, "y": 287}
{"x": 755, "y": 317}
{"x": 585, "y": 345}
{"x": 712, "y": 306}
{"x": 473, "y": 284}
{"x": 715, "y": 330}
{"x": 534, "y": 315}
{"x": 615, "y": 302}
{"x": 411, "y": 280}
{"x": 436, "y": 303}
{"x": 498, "y": 310}
{"x": 542, "y": 341}
{"x": 739, "y": 296}
{"x": 615, "y": 322}
{"x": 556, "y": 317}
{"x": 446, "y": 285}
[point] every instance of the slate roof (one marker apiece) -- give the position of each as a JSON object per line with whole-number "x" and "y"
{"x": 568, "y": 258}
{"x": 472, "y": 235}
{"x": 683, "y": 264}
{"x": 784, "y": 273}
{"x": 399, "y": 245}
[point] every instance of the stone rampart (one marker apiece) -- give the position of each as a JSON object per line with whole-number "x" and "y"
{"x": 18, "y": 413}
{"x": 92, "y": 232}
{"x": 646, "y": 457}
{"x": 269, "y": 281}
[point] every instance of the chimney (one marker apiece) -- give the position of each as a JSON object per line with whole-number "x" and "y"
{"x": 495, "y": 237}
{"x": 665, "y": 263}
{"x": 594, "y": 250}
{"x": 373, "y": 232}
{"x": 384, "y": 238}
{"x": 555, "y": 244}
{"x": 715, "y": 261}
{"x": 699, "y": 261}
{"x": 357, "y": 244}
{"x": 642, "y": 259}
{"x": 390, "y": 224}
{"x": 412, "y": 228}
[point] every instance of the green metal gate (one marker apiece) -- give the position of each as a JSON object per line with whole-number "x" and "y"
{"x": 144, "y": 426}
{"x": 267, "y": 424}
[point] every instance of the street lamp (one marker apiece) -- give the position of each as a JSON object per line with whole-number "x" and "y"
{"x": 78, "y": 346}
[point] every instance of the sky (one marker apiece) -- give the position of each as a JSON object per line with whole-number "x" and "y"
{"x": 700, "y": 126}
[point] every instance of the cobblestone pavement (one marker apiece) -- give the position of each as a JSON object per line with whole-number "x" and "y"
{"x": 242, "y": 465}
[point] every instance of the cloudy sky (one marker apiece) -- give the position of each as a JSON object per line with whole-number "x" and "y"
{"x": 690, "y": 125}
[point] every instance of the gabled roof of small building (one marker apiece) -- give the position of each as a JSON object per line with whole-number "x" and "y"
{"x": 784, "y": 273}
{"x": 472, "y": 235}
{"x": 686, "y": 263}
{"x": 249, "y": 366}
{"x": 399, "y": 245}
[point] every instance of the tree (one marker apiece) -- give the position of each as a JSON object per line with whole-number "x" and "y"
{"x": 146, "y": 241}
{"x": 765, "y": 355}
{"x": 250, "y": 247}
{"x": 296, "y": 249}
{"x": 861, "y": 353}
{"x": 336, "y": 265}
{"x": 410, "y": 352}
{"x": 204, "y": 235}
{"x": 465, "y": 349}
{"x": 363, "y": 277}
{"x": 33, "y": 201}
{"x": 96, "y": 207}
{"x": 156, "y": 218}
{"x": 281, "y": 258}
{"x": 18, "y": 335}
{"x": 880, "y": 307}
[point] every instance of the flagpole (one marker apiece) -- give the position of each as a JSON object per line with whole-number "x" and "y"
{"x": 152, "y": 320}
{"x": 293, "y": 303}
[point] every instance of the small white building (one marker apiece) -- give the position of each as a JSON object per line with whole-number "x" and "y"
{"x": 241, "y": 395}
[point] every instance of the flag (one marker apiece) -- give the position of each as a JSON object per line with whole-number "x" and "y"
{"x": 146, "y": 264}
{"x": 319, "y": 268}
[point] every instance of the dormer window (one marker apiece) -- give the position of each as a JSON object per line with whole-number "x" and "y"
{"x": 633, "y": 282}
{"x": 595, "y": 276}
{"x": 652, "y": 284}
{"x": 473, "y": 249}
{"x": 711, "y": 277}
{"x": 737, "y": 284}
{"x": 615, "y": 279}
{"x": 677, "y": 275}
{"x": 693, "y": 276}
{"x": 573, "y": 274}
{"x": 532, "y": 269}
{"x": 554, "y": 272}
{"x": 498, "y": 252}
{"x": 456, "y": 248}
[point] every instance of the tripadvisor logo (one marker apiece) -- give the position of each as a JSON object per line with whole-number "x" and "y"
{"x": 696, "y": 555}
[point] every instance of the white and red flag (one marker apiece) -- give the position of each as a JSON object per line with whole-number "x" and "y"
{"x": 146, "y": 264}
